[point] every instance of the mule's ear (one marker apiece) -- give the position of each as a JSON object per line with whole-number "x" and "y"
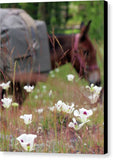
{"x": 81, "y": 25}
{"x": 87, "y": 28}
{"x": 84, "y": 30}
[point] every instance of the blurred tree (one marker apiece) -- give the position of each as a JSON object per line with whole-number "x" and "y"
{"x": 59, "y": 15}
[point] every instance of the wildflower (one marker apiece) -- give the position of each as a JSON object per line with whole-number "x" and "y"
{"x": 36, "y": 97}
{"x": 14, "y": 104}
{"x": 94, "y": 109}
{"x": 57, "y": 70}
{"x": 5, "y": 85}
{"x": 50, "y": 93}
{"x": 39, "y": 130}
{"x": 91, "y": 88}
{"x": 27, "y": 141}
{"x": 71, "y": 125}
{"x": 29, "y": 88}
{"x": 44, "y": 87}
{"x": 27, "y": 118}
{"x": 40, "y": 110}
{"x": 51, "y": 72}
{"x": 75, "y": 125}
{"x": 70, "y": 77}
{"x": 6, "y": 102}
{"x": 51, "y": 108}
{"x": 38, "y": 91}
{"x": 83, "y": 114}
{"x": 52, "y": 75}
{"x": 61, "y": 106}
{"x": 94, "y": 89}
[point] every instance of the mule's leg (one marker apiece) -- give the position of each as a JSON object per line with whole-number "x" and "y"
{"x": 18, "y": 93}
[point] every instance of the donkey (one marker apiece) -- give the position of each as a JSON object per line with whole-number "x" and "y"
{"x": 77, "y": 49}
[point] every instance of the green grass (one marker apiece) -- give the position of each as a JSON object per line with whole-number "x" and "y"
{"x": 56, "y": 136}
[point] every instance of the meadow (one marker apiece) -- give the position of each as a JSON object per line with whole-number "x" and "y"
{"x": 50, "y": 125}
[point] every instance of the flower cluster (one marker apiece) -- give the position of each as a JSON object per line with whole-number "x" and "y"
{"x": 95, "y": 92}
{"x": 82, "y": 118}
{"x": 75, "y": 125}
{"x": 29, "y": 88}
{"x": 62, "y": 107}
{"x": 27, "y": 118}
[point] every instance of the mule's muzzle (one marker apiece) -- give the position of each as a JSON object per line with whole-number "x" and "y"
{"x": 94, "y": 77}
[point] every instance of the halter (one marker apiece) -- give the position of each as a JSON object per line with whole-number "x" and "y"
{"x": 77, "y": 36}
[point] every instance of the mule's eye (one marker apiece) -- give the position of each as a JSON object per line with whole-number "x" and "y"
{"x": 86, "y": 52}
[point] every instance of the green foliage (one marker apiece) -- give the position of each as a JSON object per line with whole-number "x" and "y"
{"x": 60, "y": 15}
{"x": 85, "y": 11}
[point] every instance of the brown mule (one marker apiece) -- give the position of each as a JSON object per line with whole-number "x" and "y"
{"x": 77, "y": 49}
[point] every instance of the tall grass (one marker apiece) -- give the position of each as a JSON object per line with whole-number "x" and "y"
{"x": 55, "y": 135}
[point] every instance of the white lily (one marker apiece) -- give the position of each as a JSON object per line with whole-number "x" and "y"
{"x": 40, "y": 110}
{"x": 27, "y": 141}
{"x": 94, "y": 89}
{"x": 57, "y": 70}
{"x": 75, "y": 125}
{"x": 5, "y": 85}
{"x": 70, "y": 77}
{"x": 36, "y": 97}
{"x": 51, "y": 108}
{"x": 83, "y": 114}
{"x": 44, "y": 87}
{"x": 51, "y": 72}
{"x": 61, "y": 106}
{"x": 29, "y": 88}
{"x": 95, "y": 92}
{"x": 71, "y": 125}
{"x": 50, "y": 93}
{"x": 93, "y": 98}
{"x": 27, "y": 118}
{"x": 52, "y": 75}
{"x": 6, "y": 102}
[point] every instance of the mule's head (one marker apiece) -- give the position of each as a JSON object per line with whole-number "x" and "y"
{"x": 85, "y": 56}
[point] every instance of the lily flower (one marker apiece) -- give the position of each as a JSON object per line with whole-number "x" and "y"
{"x": 40, "y": 110}
{"x": 70, "y": 77}
{"x": 27, "y": 118}
{"x": 94, "y": 89}
{"x": 51, "y": 72}
{"x": 83, "y": 114}
{"x": 5, "y": 85}
{"x": 6, "y": 102}
{"x": 36, "y": 97}
{"x": 27, "y": 141}
{"x": 29, "y": 88}
{"x": 62, "y": 107}
{"x": 57, "y": 70}
{"x": 51, "y": 108}
{"x": 50, "y": 93}
{"x": 75, "y": 125}
{"x": 52, "y": 75}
